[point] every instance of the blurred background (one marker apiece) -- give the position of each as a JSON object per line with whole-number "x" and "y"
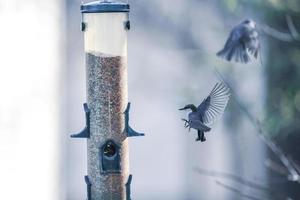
{"x": 171, "y": 53}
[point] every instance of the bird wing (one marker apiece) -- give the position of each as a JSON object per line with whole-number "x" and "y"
{"x": 214, "y": 105}
{"x": 234, "y": 37}
{"x": 235, "y": 47}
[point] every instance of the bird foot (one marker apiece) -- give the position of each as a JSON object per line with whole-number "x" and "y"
{"x": 203, "y": 139}
{"x": 186, "y": 123}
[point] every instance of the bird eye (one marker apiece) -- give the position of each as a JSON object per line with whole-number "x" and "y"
{"x": 247, "y": 21}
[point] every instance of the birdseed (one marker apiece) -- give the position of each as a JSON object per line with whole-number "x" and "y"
{"x": 107, "y": 100}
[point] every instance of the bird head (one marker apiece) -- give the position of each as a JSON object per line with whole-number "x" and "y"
{"x": 249, "y": 22}
{"x": 189, "y": 106}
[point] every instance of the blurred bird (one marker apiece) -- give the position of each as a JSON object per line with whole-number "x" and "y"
{"x": 206, "y": 113}
{"x": 243, "y": 40}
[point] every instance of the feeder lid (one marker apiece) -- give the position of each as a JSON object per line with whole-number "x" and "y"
{"x": 104, "y": 6}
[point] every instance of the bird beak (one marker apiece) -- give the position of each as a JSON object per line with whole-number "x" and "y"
{"x": 182, "y": 108}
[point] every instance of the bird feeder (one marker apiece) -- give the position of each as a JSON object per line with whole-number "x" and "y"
{"x": 105, "y": 25}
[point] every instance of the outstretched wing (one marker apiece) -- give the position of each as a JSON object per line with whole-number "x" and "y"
{"x": 214, "y": 105}
{"x": 235, "y": 46}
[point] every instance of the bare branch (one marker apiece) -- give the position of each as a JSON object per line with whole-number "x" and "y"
{"x": 291, "y": 26}
{"x": 233, "y": 189}
{"x": 286, "y": 37}
{"x": 276, "y": 167}
{"x": 294, "y": 163}
{"x": 233, "y": 177}
{"x": 293, "y": 174}
{"x": 243, "y": 181}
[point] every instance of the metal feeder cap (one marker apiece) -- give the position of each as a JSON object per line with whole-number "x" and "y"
{"x": 104, "y": 6}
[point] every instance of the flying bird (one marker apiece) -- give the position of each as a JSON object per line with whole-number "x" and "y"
{"x": 243, "y": 41}
{"x": 208, "y": 111}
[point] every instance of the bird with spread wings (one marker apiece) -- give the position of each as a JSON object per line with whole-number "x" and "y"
{"x": 242, "y": 42}
{"x": 213, "y": 106}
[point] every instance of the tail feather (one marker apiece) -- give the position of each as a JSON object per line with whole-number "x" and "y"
{"x": 236, "y": 53}
{"x": 225, "y": 53}
{"x": 233, "y": 53}
{"x": 221, "y": 53}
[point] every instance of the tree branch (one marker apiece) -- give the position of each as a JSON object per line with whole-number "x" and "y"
{"x": 233, "y": 177}
{"x": 240, "y": 180}
{"x": 293, "y": 174}
{"x": 276, "y": 167}
{"x": 233, "y": 189}
{"x": 286, "y": 37}
{"x": 291, "y": 26}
